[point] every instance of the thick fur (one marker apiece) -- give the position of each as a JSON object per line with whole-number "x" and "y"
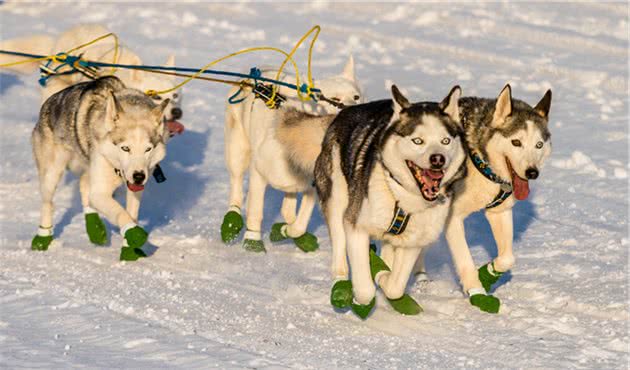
{"x": 102, "y": 51}
{"x": 491, "y": 127}
{"x": 362, "y": 174}
{"x": 280, "y": 146}
{"x": 105, "y": 133}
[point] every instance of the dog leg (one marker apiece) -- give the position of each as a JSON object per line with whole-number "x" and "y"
{"x": 419, "y": 270}
{"x": 51, "y": 164}
{"x": 456, "y": 238}
{"x": 289, "y": 207}
{"x": 255, "y": 207}
{"x": 394, "y": 283}
{"x": 502, "y": 229}
{"x": 94, "y": 226}
{"x": 362, "y": 283}
{"x": 307, "y": 242}
{"x": 237, "y": 158}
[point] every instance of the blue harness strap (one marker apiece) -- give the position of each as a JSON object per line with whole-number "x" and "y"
{"x": 399, "y": 221}
{"x": 484, "y": 167}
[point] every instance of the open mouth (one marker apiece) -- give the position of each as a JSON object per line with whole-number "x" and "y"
{"x": 428, "y": 180}
{"x": 174, "y": 127}
{"x": 520, "y": 186}
{"x": 135, "y": 187}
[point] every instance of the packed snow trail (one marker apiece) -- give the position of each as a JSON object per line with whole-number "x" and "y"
{"x": 196, "y": 303}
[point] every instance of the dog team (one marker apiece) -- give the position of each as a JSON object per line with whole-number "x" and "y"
{"x": 390, "y": 170}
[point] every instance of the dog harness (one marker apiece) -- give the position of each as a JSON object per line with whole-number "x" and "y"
{"x": 484, "y": 167}
{"x": 399, "y": 221}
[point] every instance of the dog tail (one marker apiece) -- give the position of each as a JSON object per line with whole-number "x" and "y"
{"x": 37, "y": 44}
{"x": 301, "y": 134}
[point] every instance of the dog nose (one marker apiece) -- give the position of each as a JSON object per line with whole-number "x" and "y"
{"x": 531, "y": 173}
{"x": 177, "y": 113}
{"x": 437, "y": 160}
{"x": 138, "y": 177}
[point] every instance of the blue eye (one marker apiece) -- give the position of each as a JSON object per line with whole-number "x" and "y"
{"x": 125, "y": 149}
{"x": 539, "y": 144}
{"x": 417, "y": 141}
{"x": 446, "y": 141}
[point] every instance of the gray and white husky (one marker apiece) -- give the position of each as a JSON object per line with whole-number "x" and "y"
{"x": 507, "y": 142}
{"x": 110, "y": 135}
{"x": 386, "y": 172}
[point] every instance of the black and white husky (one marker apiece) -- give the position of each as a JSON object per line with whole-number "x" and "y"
{"x": 386, "y": 172}
{"x": 507, "y": 142}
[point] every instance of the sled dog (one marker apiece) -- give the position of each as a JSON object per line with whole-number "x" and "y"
{"x": 507, "y": 143}
{"x": 102, "y": 51}
{"x": 109, "y": 135}
{"x": 279, "y": 146}
{"x": 386, "y": 172}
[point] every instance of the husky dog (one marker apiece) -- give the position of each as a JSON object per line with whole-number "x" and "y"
{"x": 385, "y": 172}
{"x": 279, "y": 148}
{"x": 109, "y": 135}
{"x": 507, "y": 142}
{"x": 101, "y": 51}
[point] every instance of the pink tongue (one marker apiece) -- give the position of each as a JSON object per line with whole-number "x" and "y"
{"x": 434, "y": 175}
{"x": 521, "y": 188}
{"x": 174, "y": 127}
{"x": 134, "y": 187}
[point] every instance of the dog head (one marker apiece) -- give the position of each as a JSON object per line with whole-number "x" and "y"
{"x": 521, "y": 141}
{"x": 135, "y": 136}
{"x": 423, "y": 148}
{"x": 342, "y": 88}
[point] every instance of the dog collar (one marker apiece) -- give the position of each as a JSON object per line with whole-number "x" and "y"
{"x": 484, "y": 167}
{"x": 399, "y": 221}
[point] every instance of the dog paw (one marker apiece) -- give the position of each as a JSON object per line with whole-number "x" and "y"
{"x": 376, "y": 264}
{"x": 131, "y": 254}
{"x": 486, "y": 278}
{"x": 136, "y": 237}
{"x": 276, "y": 234}
{"x": 254, "y": 245}
{"x": 363, "y": 310}
{"x": 405, "y": 305}
{"x": 231, "y": 226}
{"x": 307, "y": 242}
{"x": 95, "y": 228}
{"x": 341, "y": 294}
{"x": 41, "y": 243}
{"x": 485, "y": 303}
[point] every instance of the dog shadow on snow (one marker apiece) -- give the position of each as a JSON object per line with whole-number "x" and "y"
{"x": 479, "y": 235}
{"x": 164, "y": 201}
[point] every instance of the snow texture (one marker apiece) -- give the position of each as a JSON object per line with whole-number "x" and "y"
{"x": 196, "y": 303}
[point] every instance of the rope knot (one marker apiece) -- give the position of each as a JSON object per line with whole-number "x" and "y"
{"x": 151, "y": 93}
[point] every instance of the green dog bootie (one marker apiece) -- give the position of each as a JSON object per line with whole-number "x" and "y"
{"x": 254, "y": 245}
{"x": 231, "y": 226}
{"x": 363, "y": 310}
{"x": 341, "y": 294}
{"x": 41, "y": 243}
{"x": 131, "y": 254}
{"x": 95, "y": 228}
{"x": 487, "y": 277}
{"x": 377, "y": 264}
{"x": 276, "y": 234}
{"x": 405, "y": 305}
{"x": 485, "y": 303}
{"x": 307, "y": 242}
{"x": 136, "y": 237}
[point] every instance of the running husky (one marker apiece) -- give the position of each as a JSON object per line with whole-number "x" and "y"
{"x": 109, "y": 135}
{"x": 507, "y": 142}
{"x": 386, "y": 172}
{"x": 270, "y": 139}
{"x": 102, "y": 51}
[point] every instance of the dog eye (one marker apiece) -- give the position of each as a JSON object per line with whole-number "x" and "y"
{"x": 357, "y": 97}
{"x": 156, "y": 97}
{"x": 417, "y": 141}
{"x": 148, "y": 149}
{"x": 446, "y": 141}
{"x": 539, "y": 144}
{"x": 125, "y": 149}
{"x": 516, "y": 143}
{"x": 175, "y": 96}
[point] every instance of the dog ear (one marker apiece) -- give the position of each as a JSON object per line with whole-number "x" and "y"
{"x": 399, "y": 103}
{"x": 158, "y": 111}
{"x": 450, "y": 104}
{"x": 348, "y": 69}
{"x": 544, "y": 105}
{"x": 503, "y": 107}
{"x": 112, "y": 111}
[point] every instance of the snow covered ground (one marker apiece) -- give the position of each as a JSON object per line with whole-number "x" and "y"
{"x": 196, "y": 303}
